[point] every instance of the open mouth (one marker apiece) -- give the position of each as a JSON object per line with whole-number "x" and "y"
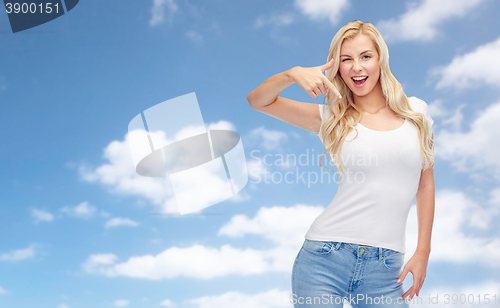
{"x": 359, "y": 81}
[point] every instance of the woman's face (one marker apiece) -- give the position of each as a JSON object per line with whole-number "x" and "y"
{"x": 359, "y": 64}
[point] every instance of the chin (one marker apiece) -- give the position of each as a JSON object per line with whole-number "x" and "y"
{"x": 363, "y": 91}
{"x": 359, "y": 93}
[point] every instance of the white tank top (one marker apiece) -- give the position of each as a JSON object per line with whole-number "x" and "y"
{"x": 381, "y": 178}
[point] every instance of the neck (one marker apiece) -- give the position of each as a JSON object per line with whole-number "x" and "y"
{"x": 372, "y": 102}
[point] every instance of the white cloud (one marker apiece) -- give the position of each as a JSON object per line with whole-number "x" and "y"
{"x": 121, "y": 303}
{"x": 256, "y": 167}
{"x": 120, "y": 177}
{"x": 319, "y": 10}
{"x": 117, "y": 221}
{"x": 275, "y": 20}
{"x": 294, "y": 222}
{"x": 82, "y": 210}
{"x": 18, "y": 255}
{"x": 494, "y": 197}
{"x": 41, "y": 216}
{"x": 456, "y": 214}
{"x": 269, "y": 139}
{"x": 167, "y": 303}
{"x": 271, "y": 299}
{"x": 316, "y": 10}
{"x": 3, "y": 291}
{"x": 158, "y": 11}
{"x": 453, "y": 119}
{"x": 422, "y": 21}
{"x": 202, "y": 262}
{"x": 63, "y": 306}
{"x": 105, "y": 214}
{"x": 475, "y": 151}
{"x": 196, "y": 261}
{"x": 437, "y": 109}
{"x": 450, "y": 117}
{"x": 473, "y": 296}
{"x": 476, "y": 68}
{"x": 96, "y": 263}
{"x": 195, "y": 36}
{"x": 221, "y": 125}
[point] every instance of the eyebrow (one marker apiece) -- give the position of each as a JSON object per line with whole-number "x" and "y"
{"x": 360, "y": 53}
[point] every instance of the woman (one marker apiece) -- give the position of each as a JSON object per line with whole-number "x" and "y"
{"x": 355, "y": 249}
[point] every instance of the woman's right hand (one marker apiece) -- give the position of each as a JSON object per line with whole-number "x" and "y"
{"x": 312, "y": 79}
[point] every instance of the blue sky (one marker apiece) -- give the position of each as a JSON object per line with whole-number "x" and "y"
{"x": 78, "y": 226}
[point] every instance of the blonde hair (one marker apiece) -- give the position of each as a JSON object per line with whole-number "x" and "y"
{"x": 341, "y": 122}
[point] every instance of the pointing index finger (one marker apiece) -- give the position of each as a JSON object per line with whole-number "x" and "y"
{"x": 332, "y": 88}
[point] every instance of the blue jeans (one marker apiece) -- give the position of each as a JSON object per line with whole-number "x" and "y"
{"x": 325, "y": 274}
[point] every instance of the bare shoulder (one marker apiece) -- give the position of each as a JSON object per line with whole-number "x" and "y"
{"x": 300, "y": 114}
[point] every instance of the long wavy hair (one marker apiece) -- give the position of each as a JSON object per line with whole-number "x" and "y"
{"x": 335, "y": 129}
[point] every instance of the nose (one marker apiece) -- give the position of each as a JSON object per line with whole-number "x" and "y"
{"x": 356, "y": 66}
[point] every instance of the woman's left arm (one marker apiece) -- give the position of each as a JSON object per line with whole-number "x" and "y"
{"x": 417, "y": 265}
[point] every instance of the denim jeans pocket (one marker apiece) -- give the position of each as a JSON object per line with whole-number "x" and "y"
{"x": 318, "y": 247}
{"x": 393, "y": 260}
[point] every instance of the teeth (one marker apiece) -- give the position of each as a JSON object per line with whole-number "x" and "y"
{"x": 359, "y": 78}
